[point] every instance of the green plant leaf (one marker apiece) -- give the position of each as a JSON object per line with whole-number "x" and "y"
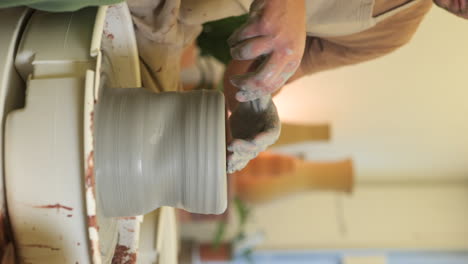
{"x": 220, "y": 231}
{"x": 239, "y": 237}
{"x": 248, "y": 255}
{"x": 213, "y": 39}
{"x": 242, "y": 210}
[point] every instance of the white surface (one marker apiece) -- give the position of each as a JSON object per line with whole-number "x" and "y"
{"x": 159, "y": 237}
{"x": 65, "y": 51}
{"x": 49, "y": 141}
{"x": 167, "y": 242}
{"x": 119, "y": 48}
{"x": 44, "y": 179}
{"x": 401, "y": 117}
{"x": 148, "y": 238}
{"x": 11, "y": 86}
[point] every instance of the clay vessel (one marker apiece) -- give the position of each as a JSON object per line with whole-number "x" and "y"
{"x": 165, "y": 149}
{"x": 272, "y": 176}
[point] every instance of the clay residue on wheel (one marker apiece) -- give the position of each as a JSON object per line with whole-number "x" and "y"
{"x": 41, "y": 246}
{"x": 123, "y": 255}
{"x": 90, "y": 184}
{"x": 128, "y": 218}
{"x": 91, "y": 197}
{"x": 127, "y": 245}
{"x": 92, "y": 222}
{"x": 54, "y": 206}
{"x": 90, "y": 180}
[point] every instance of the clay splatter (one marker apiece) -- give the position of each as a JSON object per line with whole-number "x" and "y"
{"x": 123, "y": 255}
{"x": 90, "y": 181}
{"x": 91, "y": 116}
{"x": 128, "y": 218}
{"x": 92, "y": 222}
{"x": 130, "y": 230}
{"x": 56, "y": 206}
{"x": 41, "y": 246}
{"x": 108, "y": 35}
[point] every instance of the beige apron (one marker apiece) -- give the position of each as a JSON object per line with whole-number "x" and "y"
{"x": 163, "y": 29}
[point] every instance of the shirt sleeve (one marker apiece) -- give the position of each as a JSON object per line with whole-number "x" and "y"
{"x": 386, "y": 36}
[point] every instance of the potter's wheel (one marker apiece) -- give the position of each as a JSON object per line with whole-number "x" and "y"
{"x": 49, "y": 175}
{"x": 66, "y": 61}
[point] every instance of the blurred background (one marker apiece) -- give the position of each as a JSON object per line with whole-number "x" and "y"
{"x": 371, "y": 167}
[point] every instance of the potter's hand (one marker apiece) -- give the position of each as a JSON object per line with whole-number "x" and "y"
{"x": 254, "y": 125}
{"x": 275, "y": 34}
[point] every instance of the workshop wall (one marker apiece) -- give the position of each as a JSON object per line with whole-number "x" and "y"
{"x": 402, "y": 116}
